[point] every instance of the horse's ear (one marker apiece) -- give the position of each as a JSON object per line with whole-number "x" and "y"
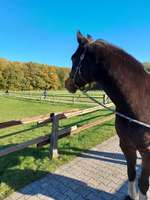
{"x": 81, "y": 39}
{"x": 89, "y": 37}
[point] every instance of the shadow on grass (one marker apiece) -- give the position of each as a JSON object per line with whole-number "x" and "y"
{"x": 13, "y": 159}
{"x": 54, "y": 185}
{"x": 33, "y": 127}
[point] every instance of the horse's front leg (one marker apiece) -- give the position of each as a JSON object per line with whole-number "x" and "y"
{"x": 144, "y": 179}
{"x": 130, "y": 155}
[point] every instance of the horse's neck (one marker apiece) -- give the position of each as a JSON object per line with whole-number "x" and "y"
{"x": 124, "y": 85}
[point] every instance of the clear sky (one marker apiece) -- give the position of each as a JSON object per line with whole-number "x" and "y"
{"x": 44, "y": 31}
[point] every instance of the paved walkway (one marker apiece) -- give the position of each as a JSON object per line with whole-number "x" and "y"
{"x": 99, "y": 174}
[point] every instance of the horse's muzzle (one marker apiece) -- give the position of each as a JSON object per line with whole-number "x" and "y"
{"x": 69, "y": 85}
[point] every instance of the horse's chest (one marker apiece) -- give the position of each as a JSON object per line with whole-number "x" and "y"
{"x": 133, "y": 135}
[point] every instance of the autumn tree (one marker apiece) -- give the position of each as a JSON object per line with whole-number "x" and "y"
{"x": 31, "y": 76}
{"x": 54, "y": 82}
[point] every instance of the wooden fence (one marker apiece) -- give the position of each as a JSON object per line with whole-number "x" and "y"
{"x": 62, "y": 98}
{"x": 55, "y": 134}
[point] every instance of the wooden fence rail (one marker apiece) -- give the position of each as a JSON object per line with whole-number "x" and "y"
{"x": 55, "y": 134}
{"x": 64, "y": 98}
{"x": 40, "y": 119}
{"x": 23, "y": 121}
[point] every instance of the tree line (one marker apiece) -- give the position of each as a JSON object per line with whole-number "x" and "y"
{"x": 31, "y": 76}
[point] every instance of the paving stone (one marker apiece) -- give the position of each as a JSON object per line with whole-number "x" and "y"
{"x": 99, "y": 174}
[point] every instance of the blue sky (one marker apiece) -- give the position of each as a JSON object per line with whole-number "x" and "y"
{"x": 44, "y": 31}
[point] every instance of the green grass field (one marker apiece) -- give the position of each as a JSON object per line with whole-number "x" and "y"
{"x": 20, "y": 168}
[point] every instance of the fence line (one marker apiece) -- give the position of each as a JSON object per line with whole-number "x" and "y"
{"x": 56, "y": 134}
{"x": 72, "y": 99}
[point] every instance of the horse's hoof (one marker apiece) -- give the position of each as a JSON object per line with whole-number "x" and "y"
{"x": 128, "y": 198}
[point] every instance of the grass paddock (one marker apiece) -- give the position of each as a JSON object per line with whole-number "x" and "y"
{"x": 20, "y": 168}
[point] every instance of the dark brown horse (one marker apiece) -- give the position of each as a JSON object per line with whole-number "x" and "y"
{"x": 127, "y": 84}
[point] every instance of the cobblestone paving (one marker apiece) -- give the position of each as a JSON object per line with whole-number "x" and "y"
{"x": 99, "y": 174}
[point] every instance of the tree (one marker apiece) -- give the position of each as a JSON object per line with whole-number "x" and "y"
{"x": 54, "y": 81}
{"x": 63, "y": 73}
{"x": 30, "y": 76}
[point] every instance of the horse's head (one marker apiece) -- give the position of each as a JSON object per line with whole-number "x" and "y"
{"x": 82, "y": 63}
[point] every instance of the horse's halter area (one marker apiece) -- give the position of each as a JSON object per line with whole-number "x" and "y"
{"x": 78, "y": 74}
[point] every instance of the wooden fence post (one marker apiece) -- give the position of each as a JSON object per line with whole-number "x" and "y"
{"x": 54, "y": 136}
{"x": 73, "y": 99}
{"x": 107, "y": 100}
{"x": 104, "y": 99}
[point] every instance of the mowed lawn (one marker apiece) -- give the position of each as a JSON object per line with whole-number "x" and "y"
{"x": 20, "y": 168}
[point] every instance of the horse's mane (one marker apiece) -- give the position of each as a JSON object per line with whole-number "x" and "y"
{"x": 120, "y": 53}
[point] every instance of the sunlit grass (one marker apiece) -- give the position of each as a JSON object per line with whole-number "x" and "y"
{"x": 22, "y": 167}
